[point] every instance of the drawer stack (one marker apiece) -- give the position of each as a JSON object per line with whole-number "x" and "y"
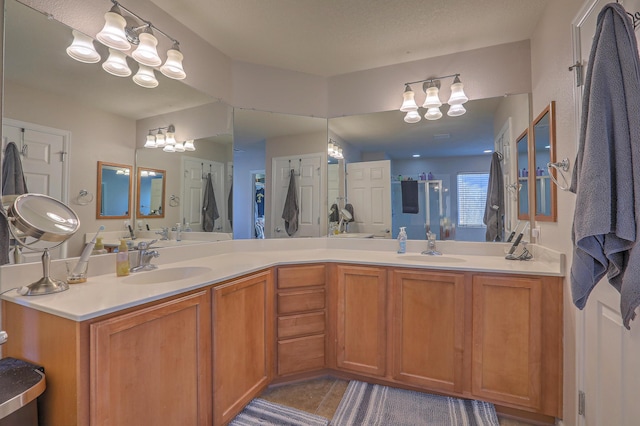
{"x": 301, "y": 309}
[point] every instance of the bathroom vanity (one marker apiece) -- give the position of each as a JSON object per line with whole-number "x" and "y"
{"x": 196, "y": 347}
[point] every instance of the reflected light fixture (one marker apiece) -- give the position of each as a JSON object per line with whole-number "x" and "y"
{"x": 82, "y": 48}
{"x": 334, "y": 150}
{"x": 119, "y": 34}
{"x": 432, "y": 102}
{"x": 165, "y": 138}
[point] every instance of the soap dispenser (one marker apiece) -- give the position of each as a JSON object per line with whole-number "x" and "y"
{"x": 402, "y": 240}
{"x": 99, "y": 247}
{"x": 122, "y": 259}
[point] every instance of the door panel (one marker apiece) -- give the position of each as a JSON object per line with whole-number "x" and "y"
{"x": 369, "y": 191}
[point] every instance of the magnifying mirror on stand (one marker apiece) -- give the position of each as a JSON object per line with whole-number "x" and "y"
{"x": 40, "y": 223}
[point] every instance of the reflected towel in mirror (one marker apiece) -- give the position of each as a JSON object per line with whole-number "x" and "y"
{"x": 410, "y": 196}
{"x": 494, "y": 208}
{"x": 209, "y": 207}
{"x": 291, "y": 210}
{"x": 13, "y": 183}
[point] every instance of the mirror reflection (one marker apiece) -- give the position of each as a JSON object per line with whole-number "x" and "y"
{"x": 150, "y": 194}
{"x": 106, "y": 117}
{"x": 114, "y": 191}
{"x": 523, "y": 175}
{"x": 446, "y": 162}
{"x": 544, "y": 151}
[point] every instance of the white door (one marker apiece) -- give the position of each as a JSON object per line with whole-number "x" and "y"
{"x": 43, "y": 155}
{"x": 307, "y": 179}
{"x": 369, "y": 192}
{"x": 194, "y": 174}
{"x": 608, "y": 354}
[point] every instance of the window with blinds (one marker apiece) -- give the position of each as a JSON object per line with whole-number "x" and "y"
{"x": 472, "y": 198}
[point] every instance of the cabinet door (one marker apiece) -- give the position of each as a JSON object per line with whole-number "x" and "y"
{"x": 507, "y": 327}
{"x": 361, "y": 319}
{"x": 428, "y": 329}
{"x": 152, "y": 366}
{"x": 243, "y": 333}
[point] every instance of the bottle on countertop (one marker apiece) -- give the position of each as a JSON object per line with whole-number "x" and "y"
{"x": 430, "y": 176}
{"x": 122, "y": 259}
{"x": 402, "y": 240}
{"x": 99, "y": 247}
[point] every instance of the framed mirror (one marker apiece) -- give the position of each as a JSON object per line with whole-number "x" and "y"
{"x": 544, "y": 135}
{"x": 150, "y": 194}
{"x": 522, "y": 162}
{"x": 114, "y": 191}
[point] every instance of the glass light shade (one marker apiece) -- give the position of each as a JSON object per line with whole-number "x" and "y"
{"x": 189, "y": 146}
{"x": 160, "y": 141}
{"x": 409, "y": 103}
{"x": 457, "y": 93}
{"x": 169, "y": 148}
{"x": 171, "y": 138}
{"x": 433, "y": 114}
{"x": 151, "y": 141}
{"x": 145, "y": 77}
{"x": 456, "y": 110}
{"x": 172, "y": 67}
{"x": 179, "y": 147}
{"x": 116, "y": 64}
{"x": 412, "y": 117}
{"x": 146, "y": 53}
{"x": 432, "y": 100}
{"x": 82, "y": 48}
{"x": 112, "y": 34}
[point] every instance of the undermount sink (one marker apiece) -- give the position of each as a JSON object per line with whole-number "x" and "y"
{"x": 165, "y": 275}
{"x": 353, "y": 235}
{"x": 432, "y": 259}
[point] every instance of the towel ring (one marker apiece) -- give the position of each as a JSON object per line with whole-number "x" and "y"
{"x": 84, "y": 197}
{"x": 561, "y": 167}
{"x": 174, "y": 201}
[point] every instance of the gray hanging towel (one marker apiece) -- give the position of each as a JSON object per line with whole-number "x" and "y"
{"x": 410, "y": 196}
{"x": 334, "y": 215}
{"x": 349, "y": 208}
{"x": 606, "y": 173}
{"x": 494, "y": 208}
{"x": 230, "y": 206}
{"x": 209, "y": 207}
{"x": 13, "y": 183}
{"x": 291, "y": 210}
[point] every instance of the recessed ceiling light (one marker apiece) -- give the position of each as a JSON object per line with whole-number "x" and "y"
{"x": 488, "y": 151}
{"x": 416, "y": 155}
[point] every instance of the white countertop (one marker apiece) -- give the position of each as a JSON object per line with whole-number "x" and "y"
{"x": 105, "y": 293}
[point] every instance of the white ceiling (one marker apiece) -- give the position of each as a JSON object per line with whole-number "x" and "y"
{"x": 332, "y": 37}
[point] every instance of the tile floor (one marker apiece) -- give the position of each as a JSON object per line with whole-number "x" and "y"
{"x": 321, "y": 396}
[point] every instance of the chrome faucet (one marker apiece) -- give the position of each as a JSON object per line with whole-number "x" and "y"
{"x": 144, "y": 257}
{"x": 164, "y": 234}
{"x": 431, "y": 245}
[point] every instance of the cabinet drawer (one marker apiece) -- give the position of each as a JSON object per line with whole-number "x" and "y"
{"x": 301, "y": 276}
{"x": 300, "y": 325}
{"x": 302, "y": 354}
{"x": 300, "y": 301}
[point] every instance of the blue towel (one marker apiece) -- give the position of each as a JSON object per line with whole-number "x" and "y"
{"x": 290, "y": 211}
{"x": 606, "y": 175}
{"x": 494, "y": 208}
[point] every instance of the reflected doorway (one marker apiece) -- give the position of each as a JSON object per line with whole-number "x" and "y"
{"x": 257, "y": 179}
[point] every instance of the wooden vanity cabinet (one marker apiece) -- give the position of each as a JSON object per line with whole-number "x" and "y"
{"x": 301, "y": 324}
{"x": 242, "y": 343}
{"x": 361, "y": 319}
{"x": 427, "y": 329}
{"x": 153, "y": 365}
{"x": 517, "y": 341}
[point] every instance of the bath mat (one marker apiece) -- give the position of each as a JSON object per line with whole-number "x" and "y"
{"x": 261, "y": 412}
{"x": 367, "y": 404}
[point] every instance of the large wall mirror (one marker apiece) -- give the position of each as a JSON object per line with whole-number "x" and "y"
{"x": 544, "y": 151}
{"x": 449, "y": 158}
{"x": 107, "y": 119}
{"x": 114, "y": 191}
{"x": 522, "y": 170}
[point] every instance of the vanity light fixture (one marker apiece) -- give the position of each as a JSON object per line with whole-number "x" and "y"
{"x": 334, "y": 150}
{"x": 432, "y": 102}
{"x": 119, "y": 34}
{"x": 165, "y": 138}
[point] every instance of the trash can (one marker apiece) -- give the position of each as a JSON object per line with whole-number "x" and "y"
{"x": 20, "y": 385}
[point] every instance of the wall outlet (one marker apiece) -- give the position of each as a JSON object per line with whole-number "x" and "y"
{"x": 535, "y": 233}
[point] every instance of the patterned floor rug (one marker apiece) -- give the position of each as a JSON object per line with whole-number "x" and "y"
{"x": 371, "y": 405}
{"x": 261, "y": 412}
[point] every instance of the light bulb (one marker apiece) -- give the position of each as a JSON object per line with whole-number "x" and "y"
{"x": 432, "y": 100}
{"x": 179, "y": 147}
{"x": 112, "y": 34}
{"x": 458, "y": 96}
{"x": 172, "y": 67}
{"x": 456, "y": 110}
{"x": 433, "y": 114}
{"x": 151, "y": 141}
{"x": 189, "y": 146}
{"x": 145, "y": 77}
{"x": 160, "y": 141}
